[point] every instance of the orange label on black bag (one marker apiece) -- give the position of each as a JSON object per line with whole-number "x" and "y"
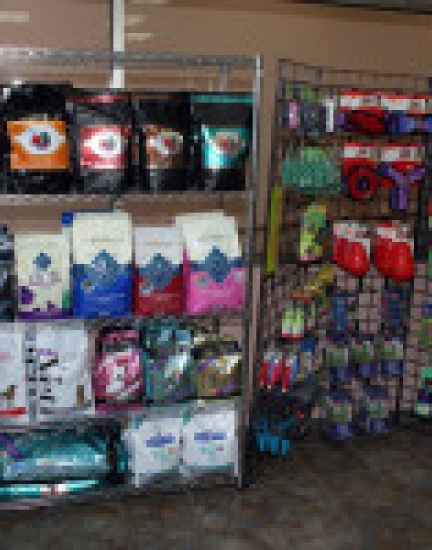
{"x": 38, "y": 145}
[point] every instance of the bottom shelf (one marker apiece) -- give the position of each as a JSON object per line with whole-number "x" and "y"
{"x": 105, "y": 494}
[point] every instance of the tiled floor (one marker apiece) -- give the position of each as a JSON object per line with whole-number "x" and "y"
{"x": 363, "y": 495}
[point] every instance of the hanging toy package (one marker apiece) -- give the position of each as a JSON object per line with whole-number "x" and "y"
{"x": 223, "y": 129}
{"x": 360, "y": 180}
{"x": 210, "y": 444}
{"x": 36, "y": 123}
{"x": 7, "y": 299}
{"x": 102, "y": 265}
{"x": 213, "y": 267}
{"x": 153, "y": 447}
{"x": 373, "y": 410}
{"x": 312, "y": 170}
{"x": 43, "y": 270}
{"x": 13, "y": 378}
{"x": 118, "y": 373}
{"x": 59, "y": 376}
{"x": 361, "y": 112}
{"x": 102, "y": 127}
{"x": 402, "y": 168}
{"x": 162, "y": 127}
{"x": 158, "y": 277}
{"x": 51, "y": 462}
{"x": 338, "y": 415}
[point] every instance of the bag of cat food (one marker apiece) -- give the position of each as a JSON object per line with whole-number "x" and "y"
{"x": 117, "y": 373}
{"x": 210, "y": 443}
{"x": 42, "y": 266}
{"x": 158, "y": 277}
{"x": 102, "y": 127}
{"x": 153, "y": 447}
{"x": 13, "y": 381}
{"x": 169, "y": 365}
{"x": 35, "y": 121}
{"x": 7, "y": 300}
{"x": 212, "y": 264}
{"x": 222, "y": 135}
{"x": 102, "y": 265}
{"x": 54, "y": 461}
{"x": 218, "y": 367}
{"x": 59, "y": 375}
{"x": 163, "y": 132}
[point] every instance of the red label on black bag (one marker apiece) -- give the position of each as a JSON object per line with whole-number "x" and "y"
{"x": 103, "y": 147}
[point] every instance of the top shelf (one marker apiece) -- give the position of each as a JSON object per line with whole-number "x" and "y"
{"x": 47, "y": 55}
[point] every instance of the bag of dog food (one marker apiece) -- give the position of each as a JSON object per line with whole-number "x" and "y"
{"x": 210, "y": 443}
{"x": 153, "y": 448}
{"x": 57, "y": 461}
{"x": 102, "y": 265}
{"x": 13, "y": 381}
{"x": 218, "y": 367}
{"x": 59, "y": 375}
{"x": 117, "y": 373}
{"x": 158, "y": 278}
{"x": 102, "y": 127}
{"x": 7, "y": 300}
{"x": 222, "y": 134}
{"x": 36, "y": 123}
{"x": 212, "y": 263}
{"x": 42, "y": 267}
{"x": 163, "y": 131}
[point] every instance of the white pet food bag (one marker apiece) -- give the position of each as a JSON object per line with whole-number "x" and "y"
{"x": 59, "y": 373}
{"x": 210, "y": 443}
{"x": 213, "y": 267}
{"x": 42, "y": 266}
{"x": 13, "y": 380}
{"x": 102, "y": 265}
{"x": 153, "y": 448}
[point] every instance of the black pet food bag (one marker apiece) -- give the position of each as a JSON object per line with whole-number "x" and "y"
{"x": 222, "y": 136}
{"x": 102, "y": 131}
{"x": 35, "y": 121}
{"x": 163, "y": 136}
{"x": 7, "y": 302}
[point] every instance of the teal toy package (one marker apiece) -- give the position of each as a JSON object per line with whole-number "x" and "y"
{"x": 222, "y": 135}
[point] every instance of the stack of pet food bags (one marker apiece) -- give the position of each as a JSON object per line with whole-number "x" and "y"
{"x": 87, "y": 271}
{"x": 58, "y": 139}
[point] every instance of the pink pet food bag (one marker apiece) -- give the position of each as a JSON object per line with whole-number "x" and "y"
{"x": 212, "y": 264}
{"x": 117, "y": 374}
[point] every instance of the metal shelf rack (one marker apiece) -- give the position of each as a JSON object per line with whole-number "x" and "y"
{"x": 286, "y": 271}
{"x": 168, "y": 72}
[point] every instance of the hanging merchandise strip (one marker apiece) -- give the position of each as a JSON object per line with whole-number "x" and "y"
{"x": 128, "y": 153}
{"x": 346, "y": 275}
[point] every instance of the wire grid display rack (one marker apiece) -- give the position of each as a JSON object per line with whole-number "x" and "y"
{"x": 167, "y": 72}
{"x": 286, "y": 272}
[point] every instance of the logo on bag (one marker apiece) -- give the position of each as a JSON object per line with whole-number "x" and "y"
{"x": 228, "y": 144}
{"x": 38, "y": 145}
{"x": 166, "y": 144}
{"x": 42, "y": 276}
{"x": 159, "y": 273}
{"x": 103, "y": 270}
{"x": 103, "y": 147}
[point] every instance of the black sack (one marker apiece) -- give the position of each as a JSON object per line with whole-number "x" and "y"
{"x": 162, "y": 128}
{"x": 222, "y": 137}
{"x": 37, "y": 155}
{"x": 102, "y": 129}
